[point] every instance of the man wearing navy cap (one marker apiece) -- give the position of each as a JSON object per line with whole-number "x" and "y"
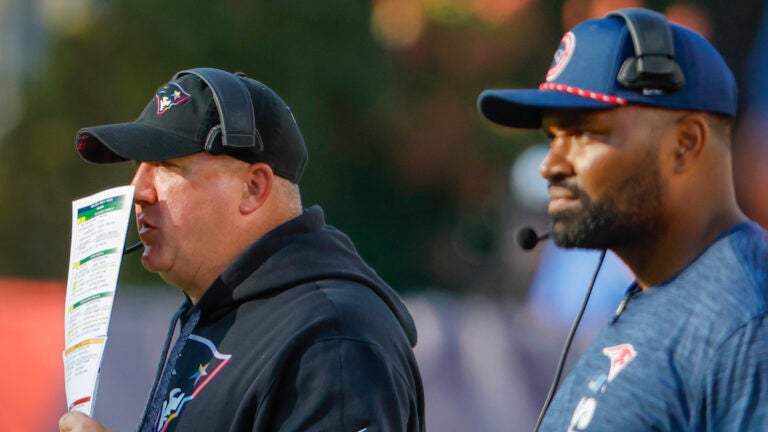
{"x": 285, "y": 328}
{"x": 639, "y": 112}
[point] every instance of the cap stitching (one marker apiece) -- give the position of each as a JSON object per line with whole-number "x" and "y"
{"x": 582, "y": 93}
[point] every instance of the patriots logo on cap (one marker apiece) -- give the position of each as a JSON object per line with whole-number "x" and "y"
{"x": 169, "y": 96}
{"x": 562, "y": 56}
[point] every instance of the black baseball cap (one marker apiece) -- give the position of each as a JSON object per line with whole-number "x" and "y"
{"x": 180, "y": 117}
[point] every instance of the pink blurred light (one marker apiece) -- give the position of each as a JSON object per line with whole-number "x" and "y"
{"x": 576, "y": 11}
{"x": 397, "y": 23}
{"x": 498, "y": 11}
{"x": 602, "y": 7}
{"x": 691, "y": 16}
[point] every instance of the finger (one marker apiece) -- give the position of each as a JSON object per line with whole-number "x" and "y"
{"x": 69, "y": 421}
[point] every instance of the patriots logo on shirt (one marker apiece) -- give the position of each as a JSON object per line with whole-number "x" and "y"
{"x": 621, "y": 356}
{"x": 207, "y": 355}
{"x": 169, "y": 96}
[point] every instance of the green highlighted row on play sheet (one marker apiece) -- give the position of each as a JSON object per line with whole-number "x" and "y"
{"x": 96, "y": 255}
{"x": 99, "y": 208}
{"x": 90, "y": 299}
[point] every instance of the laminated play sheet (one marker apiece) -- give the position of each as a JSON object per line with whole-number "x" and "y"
{"x": 99, "y": 226}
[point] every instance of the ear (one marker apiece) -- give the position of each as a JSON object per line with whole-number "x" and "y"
{"x": 691, "y": 135}
{"x": 258, "y": 187}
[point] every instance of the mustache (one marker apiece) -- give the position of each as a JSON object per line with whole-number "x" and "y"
{"x": 569, "y": 185}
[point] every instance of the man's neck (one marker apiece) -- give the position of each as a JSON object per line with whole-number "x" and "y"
{"x": 656, "y": 259}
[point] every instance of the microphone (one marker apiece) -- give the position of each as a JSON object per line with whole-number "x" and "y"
{"x": 527, "y": 238}
{"x": 132, "y": 248}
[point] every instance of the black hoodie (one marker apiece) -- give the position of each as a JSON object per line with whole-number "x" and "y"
{"x": 298, "y": 334}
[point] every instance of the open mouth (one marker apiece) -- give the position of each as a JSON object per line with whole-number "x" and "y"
{"x": 144, "y": 226}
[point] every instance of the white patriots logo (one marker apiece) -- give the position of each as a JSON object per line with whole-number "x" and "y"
{"x": 620, "y": 356}
{"x": 169, "y": 96}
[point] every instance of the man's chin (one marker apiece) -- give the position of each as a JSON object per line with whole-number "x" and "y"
{"x": 562, "y": 228}
{"x": 565, "y": 242}
{"x": 151, "y": 261}
{"x": 568, "y": 235}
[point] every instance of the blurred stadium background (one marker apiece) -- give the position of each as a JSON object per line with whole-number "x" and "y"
{"x": 384, "y": 92}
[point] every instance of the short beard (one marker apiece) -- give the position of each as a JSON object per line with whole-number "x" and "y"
{"x": 627, "y": 212}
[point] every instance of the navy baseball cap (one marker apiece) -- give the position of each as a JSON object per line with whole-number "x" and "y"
{"x": 585, "y": 70}
{"x": 181, "y": 115}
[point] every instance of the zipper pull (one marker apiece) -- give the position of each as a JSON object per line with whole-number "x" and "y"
{"x": 631, "y": 291}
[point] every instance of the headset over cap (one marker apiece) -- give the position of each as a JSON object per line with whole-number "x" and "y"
{"x": 630, "y": 56}
{"x": 205, "y": 109}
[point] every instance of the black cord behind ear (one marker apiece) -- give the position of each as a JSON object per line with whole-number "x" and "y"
{"x": 654, "y": 67}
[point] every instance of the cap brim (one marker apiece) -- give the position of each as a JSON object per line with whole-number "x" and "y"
{"x": 523, "y": 108}
{"x": 131, "y": 141}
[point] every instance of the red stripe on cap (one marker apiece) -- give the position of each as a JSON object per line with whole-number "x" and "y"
{"x": 583, "y": 93}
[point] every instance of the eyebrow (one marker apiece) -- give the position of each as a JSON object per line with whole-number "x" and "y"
{"x": 568, "y": 120}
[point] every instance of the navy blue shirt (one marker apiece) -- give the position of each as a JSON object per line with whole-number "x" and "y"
{"x": 690, "y": 354}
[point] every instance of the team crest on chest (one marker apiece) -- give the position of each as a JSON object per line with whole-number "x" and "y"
{"x": 620, "y": 356}
{"x": 209, "y": 362}
{"x": 169, "y": 96}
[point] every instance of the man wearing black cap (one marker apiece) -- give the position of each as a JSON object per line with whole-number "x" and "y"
{"x": 639, "y": 113}
{"x": 285, "y": 327}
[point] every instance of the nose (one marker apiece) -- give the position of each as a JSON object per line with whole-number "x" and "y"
{"x": 556, "y": 165}
{"x": 143, "y": 181}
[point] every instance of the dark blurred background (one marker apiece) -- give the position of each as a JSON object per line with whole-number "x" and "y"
{"x": 385, "y": 94}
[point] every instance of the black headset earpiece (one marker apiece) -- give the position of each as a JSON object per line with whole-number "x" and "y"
{"x": 653, "y": 68}
{"x": 233, "y": 101}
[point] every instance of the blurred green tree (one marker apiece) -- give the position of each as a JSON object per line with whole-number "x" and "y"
{"x": 321, "y": 57}
{"x": 399, "y": 157}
